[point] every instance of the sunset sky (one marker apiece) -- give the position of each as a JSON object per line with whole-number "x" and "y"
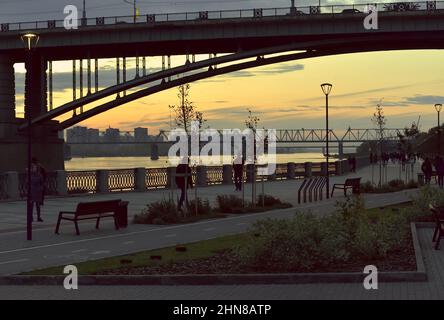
{"x": 285, "y": 95}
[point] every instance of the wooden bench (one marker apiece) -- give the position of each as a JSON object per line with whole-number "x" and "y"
{"x": 351, "y": 183}
{"x": 438, "y": 213}
{"x": 92, "y": 211}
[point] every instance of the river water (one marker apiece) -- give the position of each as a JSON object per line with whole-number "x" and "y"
{"x": 79, "y": 164}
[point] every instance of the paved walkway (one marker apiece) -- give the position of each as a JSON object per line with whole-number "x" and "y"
{"x": 431, "y": 289}
{"x": 47, "y": 249}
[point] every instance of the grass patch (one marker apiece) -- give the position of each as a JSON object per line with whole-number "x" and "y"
{"x": 196, "y": 250}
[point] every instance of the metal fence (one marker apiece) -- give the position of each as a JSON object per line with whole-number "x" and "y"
{"x": 346, "y": 9}
{"x": 215, "y": 175}
{"x": 156, "y": 178}
{"x": 121, "y": 180}
{"x": 81, "y": 182}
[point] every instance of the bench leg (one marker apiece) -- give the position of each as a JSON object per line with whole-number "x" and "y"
{"x": 332, "y": 191}
{"x": 77, "y": 227}
{"x": 97, "y": 223}
{"x": 58, "y": 224}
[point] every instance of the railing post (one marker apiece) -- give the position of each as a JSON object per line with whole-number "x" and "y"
{"x": 227, "y": 174}
{"x": 308, "y": 169}
{"x": 61, "y": 181}
{"x": 139, "y": 179}
{"x": 171, "y": 174}
{"x": 324, "y": 169}
{"x": 102, "y": 181}
{"x": 338, "y": 168}
{"x": 291, "y": 170}
{"x": 250, "y": 172}
{"x": 12, "y": 185}
{"x": 201, "y": 176}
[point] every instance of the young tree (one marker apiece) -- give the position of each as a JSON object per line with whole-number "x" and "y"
{"x": 380, "y": 121}
{"x": 185, "y": 112}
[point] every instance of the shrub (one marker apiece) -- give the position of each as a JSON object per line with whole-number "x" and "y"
{"x": 396, "y": 184}
{"x": 159, "y": 212}
{"x": 203, "y": 207}
{"x": 427, "y": 195}
{"x": 228, "y": 203}
{"x": 269, "y": 201}
{"x": 308, "y": 241}
{"x": 367, "y": 187}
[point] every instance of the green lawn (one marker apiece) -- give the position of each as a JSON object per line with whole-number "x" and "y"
{"x": 201, "y": 249}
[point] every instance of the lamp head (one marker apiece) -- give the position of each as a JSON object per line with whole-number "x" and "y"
{"x": 438, "y": 107}
{"x": 30, "y": 40}
{"x": 326, "y": 88}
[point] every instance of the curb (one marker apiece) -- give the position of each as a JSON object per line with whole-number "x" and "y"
{"x": 230, "y": 279}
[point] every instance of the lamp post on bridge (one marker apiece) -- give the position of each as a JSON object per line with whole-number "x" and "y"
{"x": 326, "y": 88}
{"x": 30, "y": 40}
{"x": 133, "y": 3}
{"x": 438, "y": 108}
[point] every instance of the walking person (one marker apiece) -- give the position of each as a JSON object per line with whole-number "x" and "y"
{"x": 439, "y": 167}
{"x": 427, "y": 170}
{"x": 37, "y": 189}
{"x": 182, "y": 170}
{"x": 238, "y": 168}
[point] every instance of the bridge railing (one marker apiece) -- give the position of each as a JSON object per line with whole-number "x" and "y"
{"x": 226, "y": 14}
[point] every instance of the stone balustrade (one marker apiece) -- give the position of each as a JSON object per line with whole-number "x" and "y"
{"x": 63, "y": 183}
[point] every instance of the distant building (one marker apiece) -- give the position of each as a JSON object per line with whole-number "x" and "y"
{"x": 112, "y": 135}
{"x": 93, "y": 135}
{"x": 77, "y": 135}
{"x": 140, "y": 134}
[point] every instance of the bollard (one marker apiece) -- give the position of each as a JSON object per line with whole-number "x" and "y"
{"x": 62, "y": 187}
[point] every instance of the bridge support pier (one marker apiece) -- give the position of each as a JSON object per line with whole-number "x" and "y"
{"x": 46, "y": 145}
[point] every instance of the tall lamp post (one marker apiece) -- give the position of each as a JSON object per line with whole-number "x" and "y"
{"x": 30, "y": 41}
{"x": 438, "y": 108}
{"x": 133, "y": 3}
{"x": 326, "y": 88}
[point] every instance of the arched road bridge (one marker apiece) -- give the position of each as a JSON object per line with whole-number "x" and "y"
{"x": 234, "y": 40}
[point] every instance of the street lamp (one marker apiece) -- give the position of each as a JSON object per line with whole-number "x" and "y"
{"x": 30, "y": 41}
{"x": 438, "y": 108}
{"x": 133, "y": 3}
{"x": 326, "y": 88}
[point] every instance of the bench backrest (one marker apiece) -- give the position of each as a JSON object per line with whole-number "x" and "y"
{"x": 87, "y": 208}
{"x": 353, "y": 182}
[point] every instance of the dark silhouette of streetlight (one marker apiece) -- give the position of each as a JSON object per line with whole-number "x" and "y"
{"x": 326, "y": 88}
{"x": 30, "y": 40}
{"x": 133, "y": 3}
{"x": 438, "y": 108}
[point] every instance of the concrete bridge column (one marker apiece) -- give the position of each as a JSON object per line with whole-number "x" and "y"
{"x": 7, "y": 97}
{"x": 36, "y": 86}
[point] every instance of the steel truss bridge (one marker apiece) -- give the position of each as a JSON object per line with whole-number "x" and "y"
{"x": 309, "y": 136}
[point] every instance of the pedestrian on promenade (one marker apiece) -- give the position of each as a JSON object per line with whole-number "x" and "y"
{"x": 439, "y": 167}
{"x": 37, "y": 188}
{"x": 183, "y": 171}
{"x": 427, "y": 170}
{"x": 238, "y": 168}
